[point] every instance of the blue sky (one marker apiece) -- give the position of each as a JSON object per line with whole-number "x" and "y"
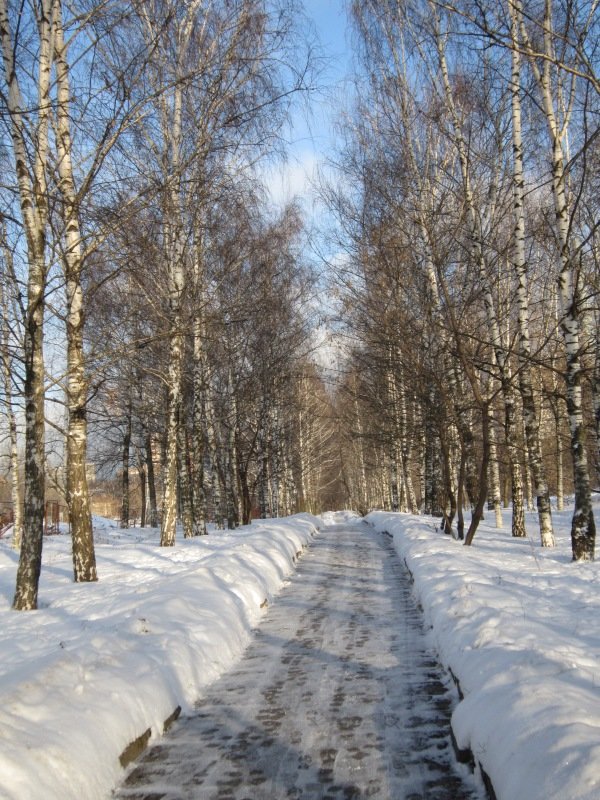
{"x": 312, "y": 140}
{"x": 312, "y": 136}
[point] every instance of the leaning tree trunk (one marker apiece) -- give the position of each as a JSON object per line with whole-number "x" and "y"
{"x": 479, "y": 261}
{"x": 450, "y": 490}
{"x": 483, "y": 473}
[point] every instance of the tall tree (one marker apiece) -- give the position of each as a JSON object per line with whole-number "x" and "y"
{"x": 29, "y": 119}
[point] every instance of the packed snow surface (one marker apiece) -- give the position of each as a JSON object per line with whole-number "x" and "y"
{"x": 519, "y": 626}
{"x": 338, "y": 696}
{"x": 100, "y": 663}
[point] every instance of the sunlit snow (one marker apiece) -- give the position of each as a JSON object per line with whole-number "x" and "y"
{"x": 518, "y": 625}
{"x": 100, "y": 663}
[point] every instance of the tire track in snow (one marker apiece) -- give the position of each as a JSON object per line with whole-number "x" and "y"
{"x": 337, "y": 697}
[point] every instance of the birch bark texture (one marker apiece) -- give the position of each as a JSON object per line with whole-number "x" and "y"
{"x": 479, "y": 261}
{"x": 11, "y": 418}
{"x": 31, "y": 172}
{"x": 530, "y": 412}
{"x": 583, "y": 528}
{"x": 84, "y": 557}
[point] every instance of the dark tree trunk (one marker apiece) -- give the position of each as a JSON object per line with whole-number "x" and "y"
{"x": 153, "y": 508}
{"x": 125, "y": 465}
{"x": 143, "y": 498}
{"x": 483, "y": 473}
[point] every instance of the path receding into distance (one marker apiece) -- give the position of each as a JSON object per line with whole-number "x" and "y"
{"x": 337, "y": 696}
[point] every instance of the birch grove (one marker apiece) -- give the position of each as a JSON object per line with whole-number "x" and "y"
{"x": 457, "y": 240}
{"x": 215, "y": 83}
{"x": 160, "y": 308}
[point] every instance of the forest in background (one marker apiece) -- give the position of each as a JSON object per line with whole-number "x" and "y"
{"x": 159, "y": 313}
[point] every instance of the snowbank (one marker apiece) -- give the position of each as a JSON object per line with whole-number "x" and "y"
{"x": 339, "y": 517}
{"x": 519, "y": 627}
{"x": 101, "y": 663}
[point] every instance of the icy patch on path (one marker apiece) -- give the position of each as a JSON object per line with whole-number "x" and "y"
{"x": 340, "y": 517}
{"x": 101, "y": 663}
{"x": 519, "y": 626}
{"x": 337, "y": 697}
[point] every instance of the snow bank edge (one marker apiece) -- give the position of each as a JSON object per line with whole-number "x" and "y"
{"x": 69, "y": 728}
{"x": 531, "y": 710}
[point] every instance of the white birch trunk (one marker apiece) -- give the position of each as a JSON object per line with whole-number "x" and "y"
{"x": 583, "y": 528}
{"x": 11, "y": 419}
{"x": 530, "y": 414}
{"x": 125, "y": 466}
{"x": 494, "y": 476}
{"x": 560, "y": 494}
{"x": 174, "y": 257}
{"x": 478, "y": 258}
{"x": 528, "y": 486}
{"x": 32, "y": 190}
{"x": 393, "y": 449}
{"x": 263, "y": 462}
{"x": 232, "y": 489}
{"x": 596, "y": 395}
{"x": 214, "y": 457}
{"x": 84, "y": 559}
{"x": 302, "y": 453}
{"x": 152, "y": 505}
{"x": 362, "y": 474}
{"x": 198, "y": 425}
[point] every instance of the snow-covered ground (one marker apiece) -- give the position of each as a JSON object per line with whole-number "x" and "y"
{"x": 98, "y": 664}
{"x": 519, "y": 626}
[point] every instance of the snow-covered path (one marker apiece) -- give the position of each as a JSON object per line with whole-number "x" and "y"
{"x": 338, "y": 696}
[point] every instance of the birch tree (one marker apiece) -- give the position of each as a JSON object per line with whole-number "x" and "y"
{"x": 84, "y": 559}
{"x": 557, "y": 105}
{"x": 556, "y": 42}
{"x": 28, "y": 121}
{"x": 8, "y": 345}
{"x": 530, "y": 412}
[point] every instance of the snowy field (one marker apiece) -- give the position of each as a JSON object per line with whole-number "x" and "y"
{"x": 99, "y": 664}
{"x": 519, "y": 626}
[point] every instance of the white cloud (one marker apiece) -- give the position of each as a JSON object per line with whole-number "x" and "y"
{"x": 293, "y": 179}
